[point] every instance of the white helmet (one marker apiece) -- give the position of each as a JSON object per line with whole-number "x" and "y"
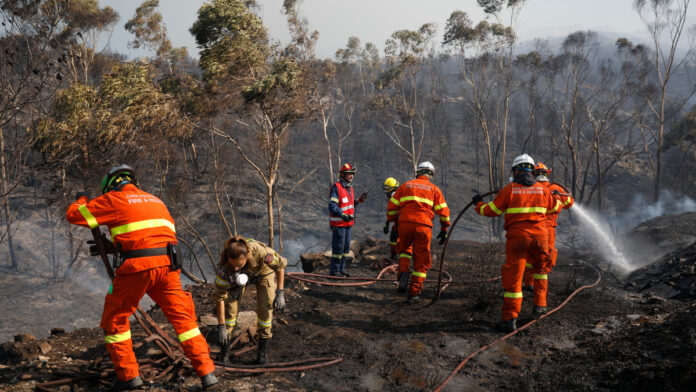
{"x": 520, "y": 159}
{"x": 425, "y": 167}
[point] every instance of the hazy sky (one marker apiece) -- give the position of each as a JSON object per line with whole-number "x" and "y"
{"x": 375, "y": 20}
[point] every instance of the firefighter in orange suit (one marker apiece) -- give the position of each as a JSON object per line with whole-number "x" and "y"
{"x": 525, "y": 204}
{"x": 563, "y": 201}
{"x": 414, "y": 206}
{"x": 145, "y": 263}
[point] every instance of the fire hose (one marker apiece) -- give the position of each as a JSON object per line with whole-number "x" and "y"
{"x": 301, "y": 276}
{"x": 444, "y": 247}
{"x": 364, "y": 281}
{"x": 525, "y": 326}
{"x": 165, "y": 344}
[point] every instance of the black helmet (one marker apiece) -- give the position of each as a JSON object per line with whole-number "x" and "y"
{"x": 117, "y": 175}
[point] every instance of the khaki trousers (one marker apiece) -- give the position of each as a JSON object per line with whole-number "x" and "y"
{"x": 265, "y": 294}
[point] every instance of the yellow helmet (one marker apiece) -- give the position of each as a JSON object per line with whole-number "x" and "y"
{"x": 390, "y": 184}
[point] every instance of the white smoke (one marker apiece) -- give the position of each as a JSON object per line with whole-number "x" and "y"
{"x": 604, "y": 232}
{"x": 640, "y": 210}
{"x": 292, "y": 249}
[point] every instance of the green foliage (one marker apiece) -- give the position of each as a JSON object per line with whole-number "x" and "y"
{"x": 408, "y": 43}
{"x": 459, "y": 31}
{"x": 86, "y": 15}
{"x": 496, "y": 6}
{"x": 72, "y": 105}
{"x": 532, "y": 59}
{"x": 67, "y": 134}
{"x": 353, "y": 53}
{"x": 148, "y": 29}
{"x": 232, "y": 39}
{"x": 126, "y": 118}
{"x": 405, "y": 51}
{"x": 187, "y": 90}
{"x": 283, "y": 76}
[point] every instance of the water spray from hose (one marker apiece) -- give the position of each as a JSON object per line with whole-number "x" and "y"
{"x": 606, "y": 242}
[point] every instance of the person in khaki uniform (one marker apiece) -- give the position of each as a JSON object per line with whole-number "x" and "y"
{"x": 245, "y": 261}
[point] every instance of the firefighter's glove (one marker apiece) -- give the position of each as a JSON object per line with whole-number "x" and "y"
{"x": 555, "y": 192}
{"x": 476, "y": 199}
{"x": 385, "y": 229}
{"x": 442, "y": 237}
{"x": 346, "y": 218}
{"x": 80, "y": 194}
{"x": 109, "y": 247}
{"x": 362, "y": 198}
{"x": 279, "y": 301}
{"x": 222, "y": 335}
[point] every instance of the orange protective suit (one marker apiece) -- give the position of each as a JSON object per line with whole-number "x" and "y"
{"x": 414, "y": 206}
{"x": 562, "y": 202}
{"x": 394, "y": 240}
{"x": 525, "y": 210}
{"x": 139, "y": 220}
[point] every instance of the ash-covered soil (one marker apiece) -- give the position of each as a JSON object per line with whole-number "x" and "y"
{"x": 607, "y": 338}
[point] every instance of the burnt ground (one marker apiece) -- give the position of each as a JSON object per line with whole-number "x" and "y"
{"x": 613, "y": 337}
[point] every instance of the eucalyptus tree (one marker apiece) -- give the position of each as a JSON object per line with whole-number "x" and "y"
{"x": 86, "y": 24}
{"x": 529, "y": 66}
{"x": 402, "y": 95}
{"x": 506, "y": 13}
{"x": 357, "y": 67}
{"x": 568, "y": 79}
{"x": 610, "y": 137}
{"x": 481, "y": 55}
{"x": 151, "y": 33}
{"x": 30, "y": 70}
{"x": 126, "y": 117}
{"x": 263, "y": 86}
{"x": 665, "y": 22}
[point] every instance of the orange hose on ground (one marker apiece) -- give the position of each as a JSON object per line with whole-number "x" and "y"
{"x": 486, "y": 347}
{"x": 260, "y": 369}
{"x": 368, "y": 281}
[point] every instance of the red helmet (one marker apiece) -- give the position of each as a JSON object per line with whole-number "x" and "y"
{"x": 347, "y": 168}
{"x": 541, "y": 168}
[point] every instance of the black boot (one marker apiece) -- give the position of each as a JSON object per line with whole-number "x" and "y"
{"x": 134, "y": 383}
{"x": 261, "y": 357}
{"x": 509, "y": 325}
{"x": 403, "y": 283}
{"x": 540, "y": 311}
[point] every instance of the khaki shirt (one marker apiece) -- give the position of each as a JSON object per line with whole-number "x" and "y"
{"x": 262, "y": 260}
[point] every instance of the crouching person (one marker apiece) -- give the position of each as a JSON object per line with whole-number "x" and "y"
{"x": 242, "y": 262}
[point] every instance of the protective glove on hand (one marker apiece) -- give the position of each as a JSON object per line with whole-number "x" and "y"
{"x": 346, "y": 218}
{"x": 362, "y": 198}
{"x": 476, "y": 199}
{"x": 109, "y": 247}
{"x": 80, "y": 194}
{"x": 385, "y": 229}
{"x": 279, "y": 301}
{"x": 442, "y": 237}
{"x": 222, "y": 335}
